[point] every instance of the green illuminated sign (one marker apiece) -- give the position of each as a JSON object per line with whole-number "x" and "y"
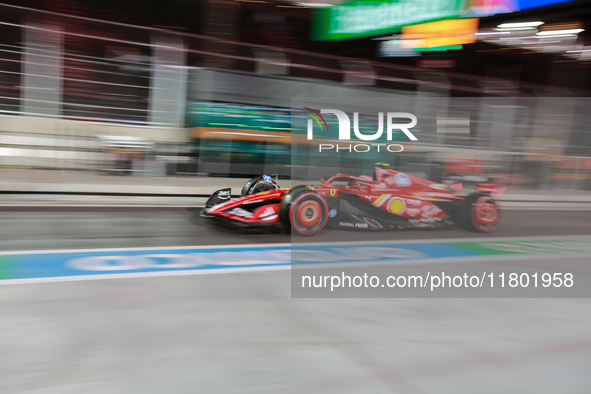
{"x": 438, "y": 49}
{"x": 362, "y": 18}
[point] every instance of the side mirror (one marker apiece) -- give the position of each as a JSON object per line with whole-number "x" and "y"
{"x": 322, "y": 180}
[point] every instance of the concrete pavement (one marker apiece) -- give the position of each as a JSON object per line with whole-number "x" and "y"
{"x": 243, "y": 334}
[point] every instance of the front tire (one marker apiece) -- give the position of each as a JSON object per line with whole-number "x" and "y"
{"x": 304, "y": 211}
{"x": 481, "y": 213}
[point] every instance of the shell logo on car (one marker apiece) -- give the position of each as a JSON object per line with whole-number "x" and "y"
{"x": 397, "y": 206}
{"x": 394, "y": 204}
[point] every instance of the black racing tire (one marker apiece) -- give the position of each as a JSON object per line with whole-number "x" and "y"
{"x": 480, "y": 212}
{"x": 303, "y": 211}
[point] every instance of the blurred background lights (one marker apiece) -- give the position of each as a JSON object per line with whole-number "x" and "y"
{"x": 519, "y": 25}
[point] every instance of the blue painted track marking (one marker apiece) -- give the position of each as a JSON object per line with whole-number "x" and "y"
{"x": 74, "y": 263}
{"x": 29, "y": 266}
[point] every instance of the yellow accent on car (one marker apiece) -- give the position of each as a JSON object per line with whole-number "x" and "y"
{"x": 380, "y": 198}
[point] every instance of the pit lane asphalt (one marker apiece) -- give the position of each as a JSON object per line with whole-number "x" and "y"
{"x": 243, "y": 334}
{"x": 110, "y": 228}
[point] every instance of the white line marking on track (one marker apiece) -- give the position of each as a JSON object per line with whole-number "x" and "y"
{"x": 283, "y": 245}
{"x": 135, "y": 275}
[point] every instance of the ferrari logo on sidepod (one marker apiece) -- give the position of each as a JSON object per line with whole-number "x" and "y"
{"x": 332, "y": 192}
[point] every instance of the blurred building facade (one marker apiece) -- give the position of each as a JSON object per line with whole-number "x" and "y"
{"x": 68, "y": 79}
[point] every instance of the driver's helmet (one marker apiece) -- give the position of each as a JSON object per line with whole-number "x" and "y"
{"x": 263, "y": 186}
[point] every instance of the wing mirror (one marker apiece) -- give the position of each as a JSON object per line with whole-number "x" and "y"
{"x": 322, "y": 180}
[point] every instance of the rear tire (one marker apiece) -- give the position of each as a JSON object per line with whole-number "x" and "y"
{"x": 481, "y": 213}
{"x": 304, "y": 211}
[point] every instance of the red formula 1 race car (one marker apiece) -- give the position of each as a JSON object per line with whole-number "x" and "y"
{"x": 387, "y": 200}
